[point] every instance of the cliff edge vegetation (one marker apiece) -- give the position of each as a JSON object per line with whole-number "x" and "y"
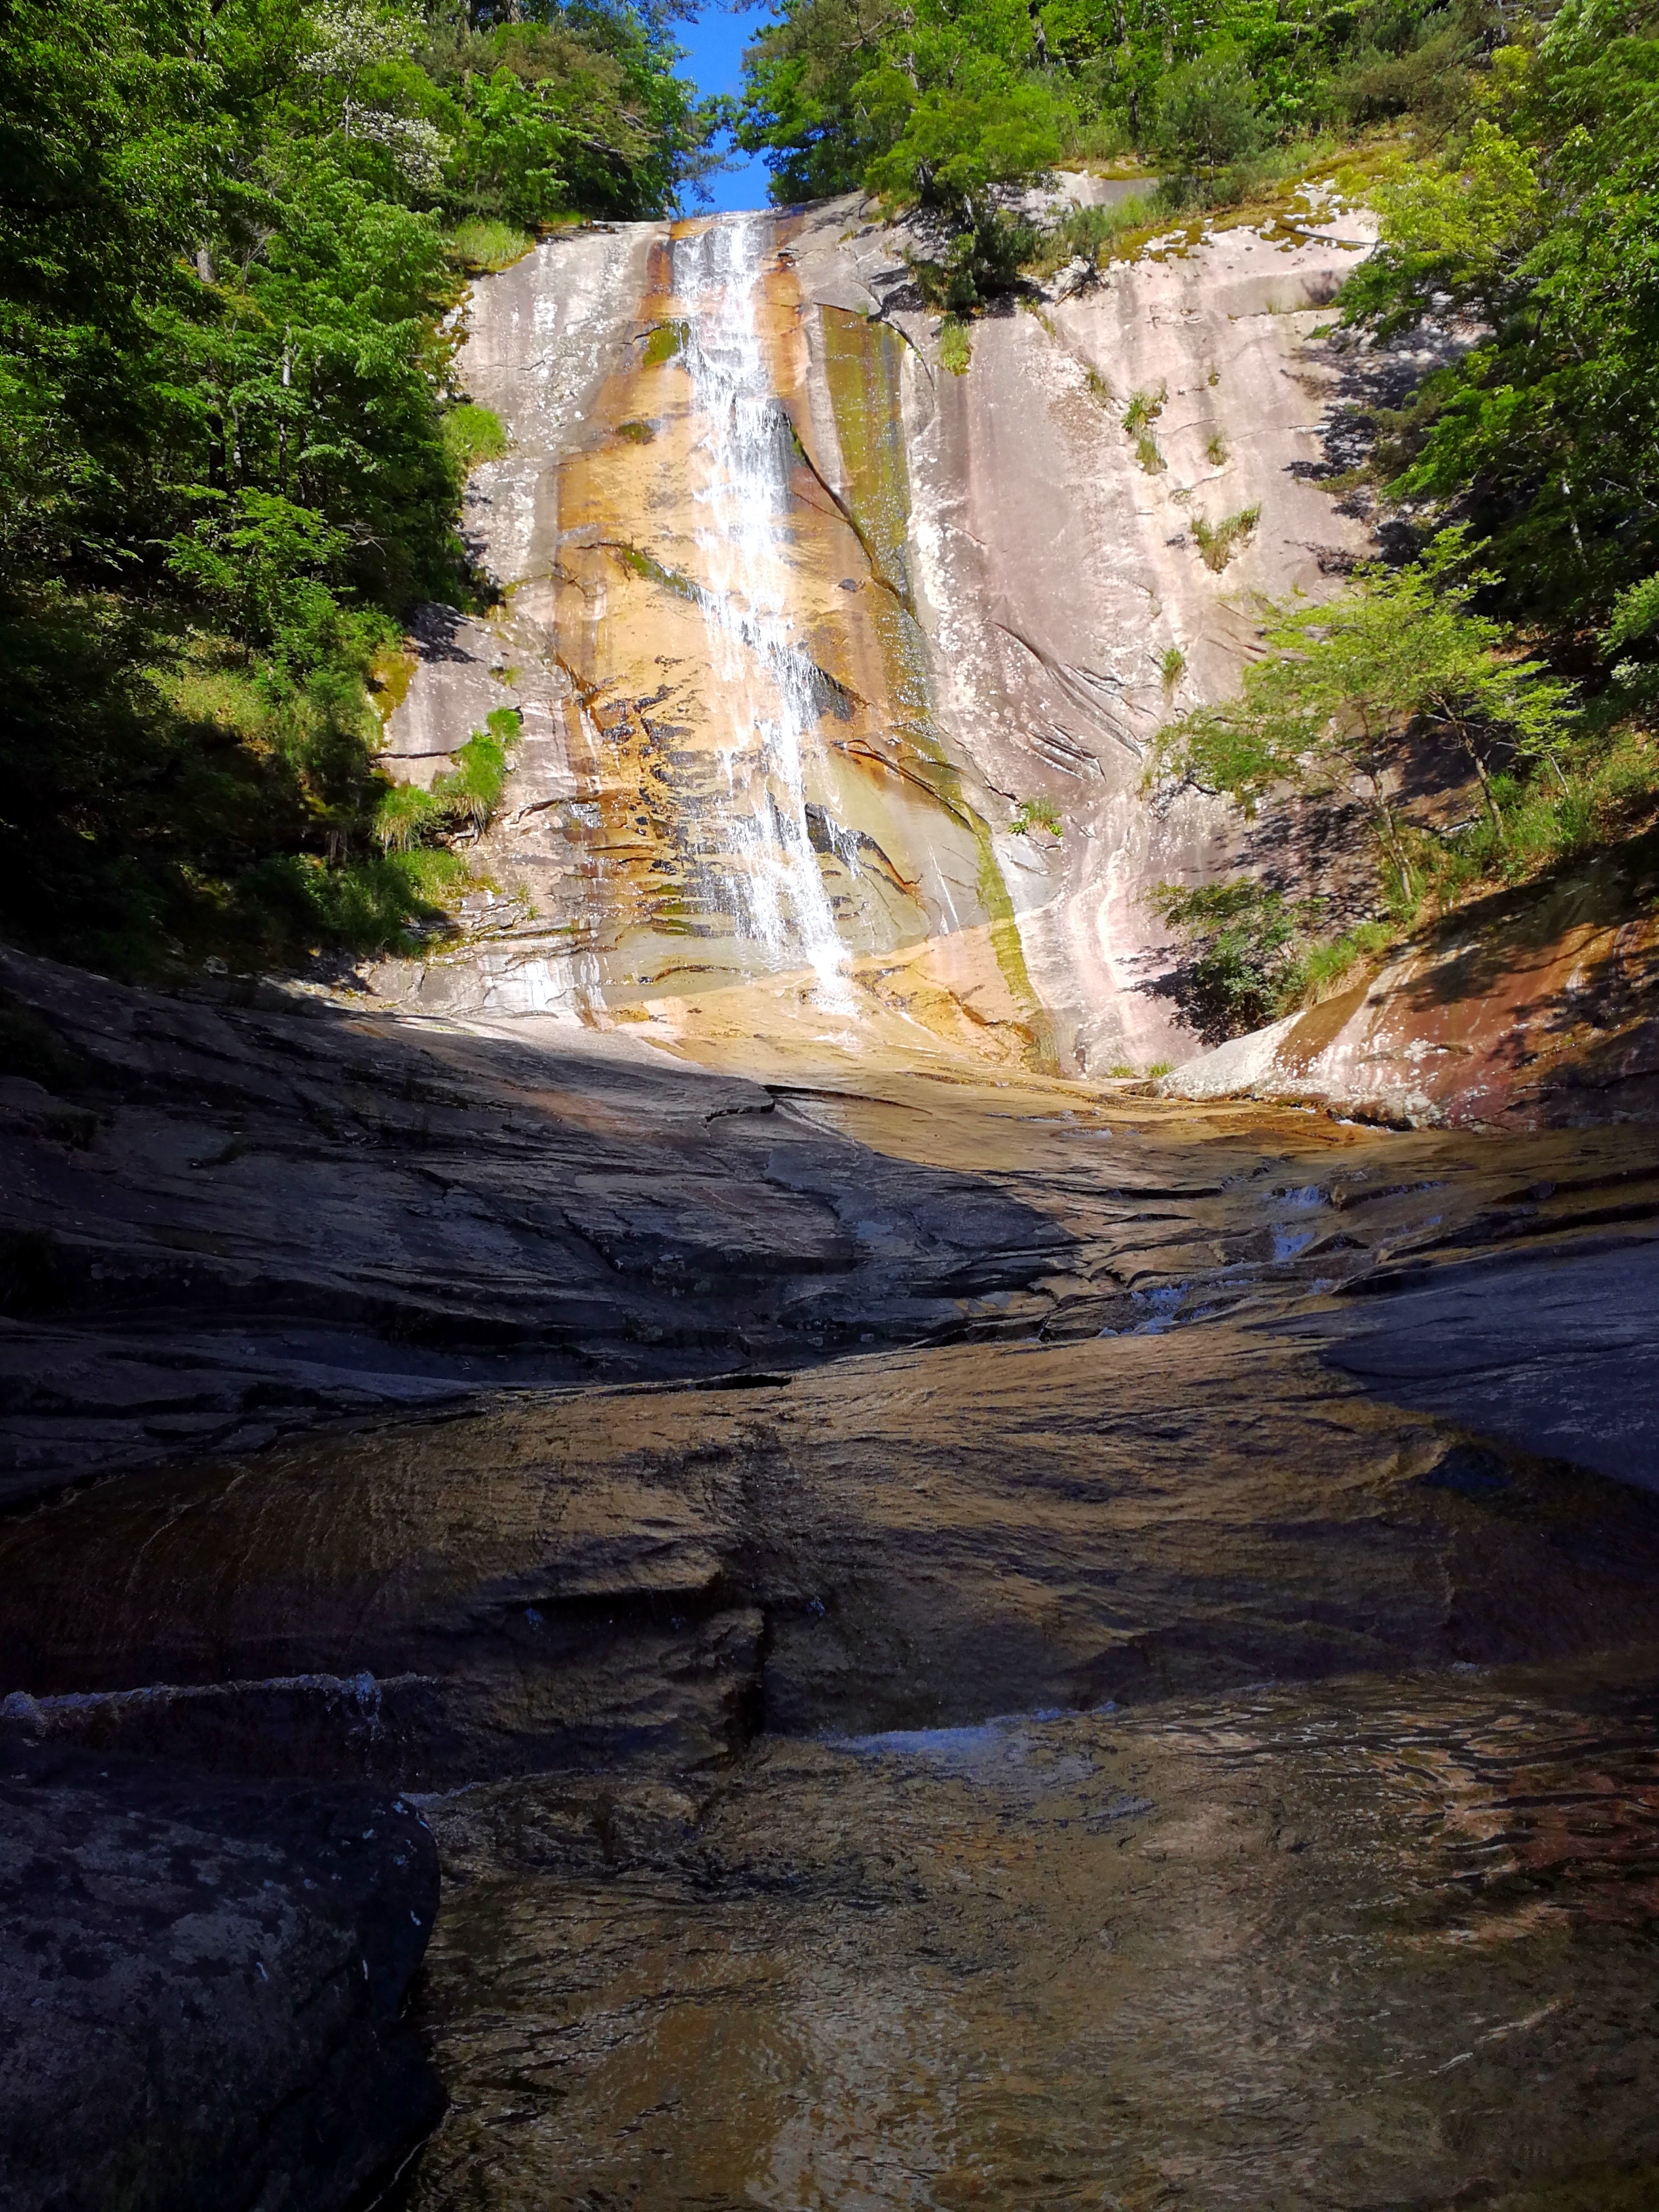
{"x": 231, "y": 446}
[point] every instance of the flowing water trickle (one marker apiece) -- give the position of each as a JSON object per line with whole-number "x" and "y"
{"x": 761, "y": 841}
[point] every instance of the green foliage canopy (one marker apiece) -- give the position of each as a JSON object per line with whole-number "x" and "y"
{"x": 231, "y": 447}
{"x": 1540, "y": 223}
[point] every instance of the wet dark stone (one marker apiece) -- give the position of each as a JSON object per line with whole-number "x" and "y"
{"x": 200, "y": 1987}
{"x": 1470, "y": 1471}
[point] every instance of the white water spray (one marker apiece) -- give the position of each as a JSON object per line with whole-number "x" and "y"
{"x": 771, "y": 869}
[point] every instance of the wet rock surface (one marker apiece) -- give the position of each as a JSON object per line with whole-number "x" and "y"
{"x": 227, "y": 1220}
{"x": 999, "y": 1772}
{"x": 908, "y": 1541}
{"x": 750, "y": 1895}
{"x": 1561, "y": 1359}
{"x": 1352, "y": 1945}
{"x": 201, "y": 1986}
{"x": 223, "y": 1222}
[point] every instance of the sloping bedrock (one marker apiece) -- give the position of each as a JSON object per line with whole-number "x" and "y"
{"x": 219, "y": 1221}
{"x": 1530, "y": 1009}
{"x": 645, "y": 1577}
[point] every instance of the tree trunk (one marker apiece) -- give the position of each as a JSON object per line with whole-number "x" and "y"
{"x": 1487, "y": 792}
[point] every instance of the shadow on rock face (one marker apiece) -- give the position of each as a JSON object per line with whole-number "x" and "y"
{"x": 912, "y": 1540}
{"x": 199, "y": 2009}
{"x": 227, "y": 1220}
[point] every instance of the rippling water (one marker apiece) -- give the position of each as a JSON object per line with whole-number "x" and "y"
{"x": 1353, "y": 1946}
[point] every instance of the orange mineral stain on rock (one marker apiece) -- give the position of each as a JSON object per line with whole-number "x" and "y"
{"x": 756, "y": 823}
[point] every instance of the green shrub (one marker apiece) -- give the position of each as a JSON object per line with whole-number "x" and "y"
{"x": 983, "y": 260}
{"x": 1245, "y": 947}
{"x": 954, "y": 351}
{"x": 373, "y": 905}
{"x": 1251, "y": 954}
{"x": 484, "y": 245}
{"x": 406, "y": 817}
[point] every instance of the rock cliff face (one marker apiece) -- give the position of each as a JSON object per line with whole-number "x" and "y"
{"x": 797, "y": 618}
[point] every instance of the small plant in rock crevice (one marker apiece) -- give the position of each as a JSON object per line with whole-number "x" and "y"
{"x": 1144, "y": 410}
{"x": 1219, "y": 542}
{"x": 1036, "y": 814}
{"x": 1172, "y": 667}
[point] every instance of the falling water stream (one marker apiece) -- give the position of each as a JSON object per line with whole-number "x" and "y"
{"x": 762, "y": 840}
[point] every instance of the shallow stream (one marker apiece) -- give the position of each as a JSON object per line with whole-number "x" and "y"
{"x": 1357, "y": 1944}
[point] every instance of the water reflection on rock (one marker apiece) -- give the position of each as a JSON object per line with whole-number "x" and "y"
{"x": 1354, "y": 1945}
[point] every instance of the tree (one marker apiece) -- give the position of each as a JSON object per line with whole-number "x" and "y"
{"x": 227, "y": 453}
{"x": 1456, "y": 235}
{"x": 1543, "y": 225}
{"x": 1347, "y": 683}
{"x": 1206, "y": 112}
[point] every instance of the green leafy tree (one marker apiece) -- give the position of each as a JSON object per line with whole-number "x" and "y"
{"x": 227, "y": 461}
{"x": 1345, "y": 684}
{"x": 1457, "y": 235}
{"x": 1540, "y": 224}
{"x": 1206, "y": 112}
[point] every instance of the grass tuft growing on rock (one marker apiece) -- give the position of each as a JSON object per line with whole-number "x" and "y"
{"x": 1036, "y": 814}
{"x": 1219, "y": 542}
{"x": 472, "y": 435}
{"x": 482, "y": 245}
{"x": 954, "y": 350}
{"x": 463, "y": 797}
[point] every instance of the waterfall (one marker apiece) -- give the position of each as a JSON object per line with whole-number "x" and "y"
{"x": 762, "y": 858}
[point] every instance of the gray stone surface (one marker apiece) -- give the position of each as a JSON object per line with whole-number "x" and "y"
{"x": 1560, "y": 1358}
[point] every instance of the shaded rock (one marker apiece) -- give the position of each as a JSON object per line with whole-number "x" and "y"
{"x": 245, "y": 1216}
{"x": 1562, "y": 1359}
{"x": 912, "y": 1539}
{"x": 200, "y": 1987}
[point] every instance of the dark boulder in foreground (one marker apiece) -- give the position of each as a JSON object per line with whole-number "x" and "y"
{"x": 200, "y": 1984}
